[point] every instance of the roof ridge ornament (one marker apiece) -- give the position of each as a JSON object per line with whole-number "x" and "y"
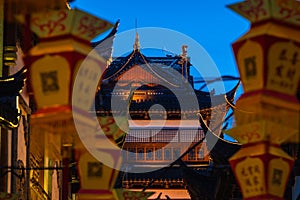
{"x": 184, "y": 51}
{"x": 137, "y": 44}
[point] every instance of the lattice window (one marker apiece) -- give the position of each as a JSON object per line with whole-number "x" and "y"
{"x": 165, "y": 136}
{"x": 192, "y": 135}
{"x": 138, "y": 136}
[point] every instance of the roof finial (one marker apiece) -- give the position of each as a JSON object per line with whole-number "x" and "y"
{"x": 184, "y": 51}
{"x": 136, "y": 45}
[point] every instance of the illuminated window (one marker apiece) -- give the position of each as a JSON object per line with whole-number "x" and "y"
{"x": 176, "y": 153}
{"x": 131, "y": 154}
{"x": 124, "y": 154}
{"x": 191, "y": 155}
{"x": 149, "y": 154}
{"x": 167, "y": 154}
{"x": 140, "y": 155}
{"x": 200, "y": 154}
{"x": 158, "y": 154}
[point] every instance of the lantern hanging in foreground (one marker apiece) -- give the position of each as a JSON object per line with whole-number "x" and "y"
{"x": 267, "y": 114}
{"x": 261, "y": 167}
{"x": 264, "y": 173}
{"x": 55, "y": 65}
{"x": 54, "y": 62}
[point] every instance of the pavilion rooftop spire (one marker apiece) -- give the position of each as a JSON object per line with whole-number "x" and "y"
{"x": 136, "y": 45}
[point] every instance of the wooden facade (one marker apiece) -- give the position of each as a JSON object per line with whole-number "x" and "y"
{"x": 160, "y": 129}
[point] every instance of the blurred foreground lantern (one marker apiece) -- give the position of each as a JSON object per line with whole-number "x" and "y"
{"x": 261, "y": 167}
{"x": 264, "y": 173}
{"x": 97, "y": 179}
{"x": 267, "y": 114}
{"x": 55, "y": 65}
{"x": 29, "y": 6}
{"x": 64, "y": 44}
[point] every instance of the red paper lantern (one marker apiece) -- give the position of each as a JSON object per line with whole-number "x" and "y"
{"x": 262, "y": 171}
{"x": 268, "y": 113}
{"x": 55, "y": 61}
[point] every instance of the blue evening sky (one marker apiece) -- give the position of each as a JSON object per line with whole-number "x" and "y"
{"x": 210, "y": 23}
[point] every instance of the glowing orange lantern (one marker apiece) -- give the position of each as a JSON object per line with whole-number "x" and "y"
{"x": 64, "y": 43}
{"x": 54, "y": 64}
{"x": 268, "y": 113}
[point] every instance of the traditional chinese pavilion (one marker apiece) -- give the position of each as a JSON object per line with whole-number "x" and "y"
{"x": 160, "y": 129}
